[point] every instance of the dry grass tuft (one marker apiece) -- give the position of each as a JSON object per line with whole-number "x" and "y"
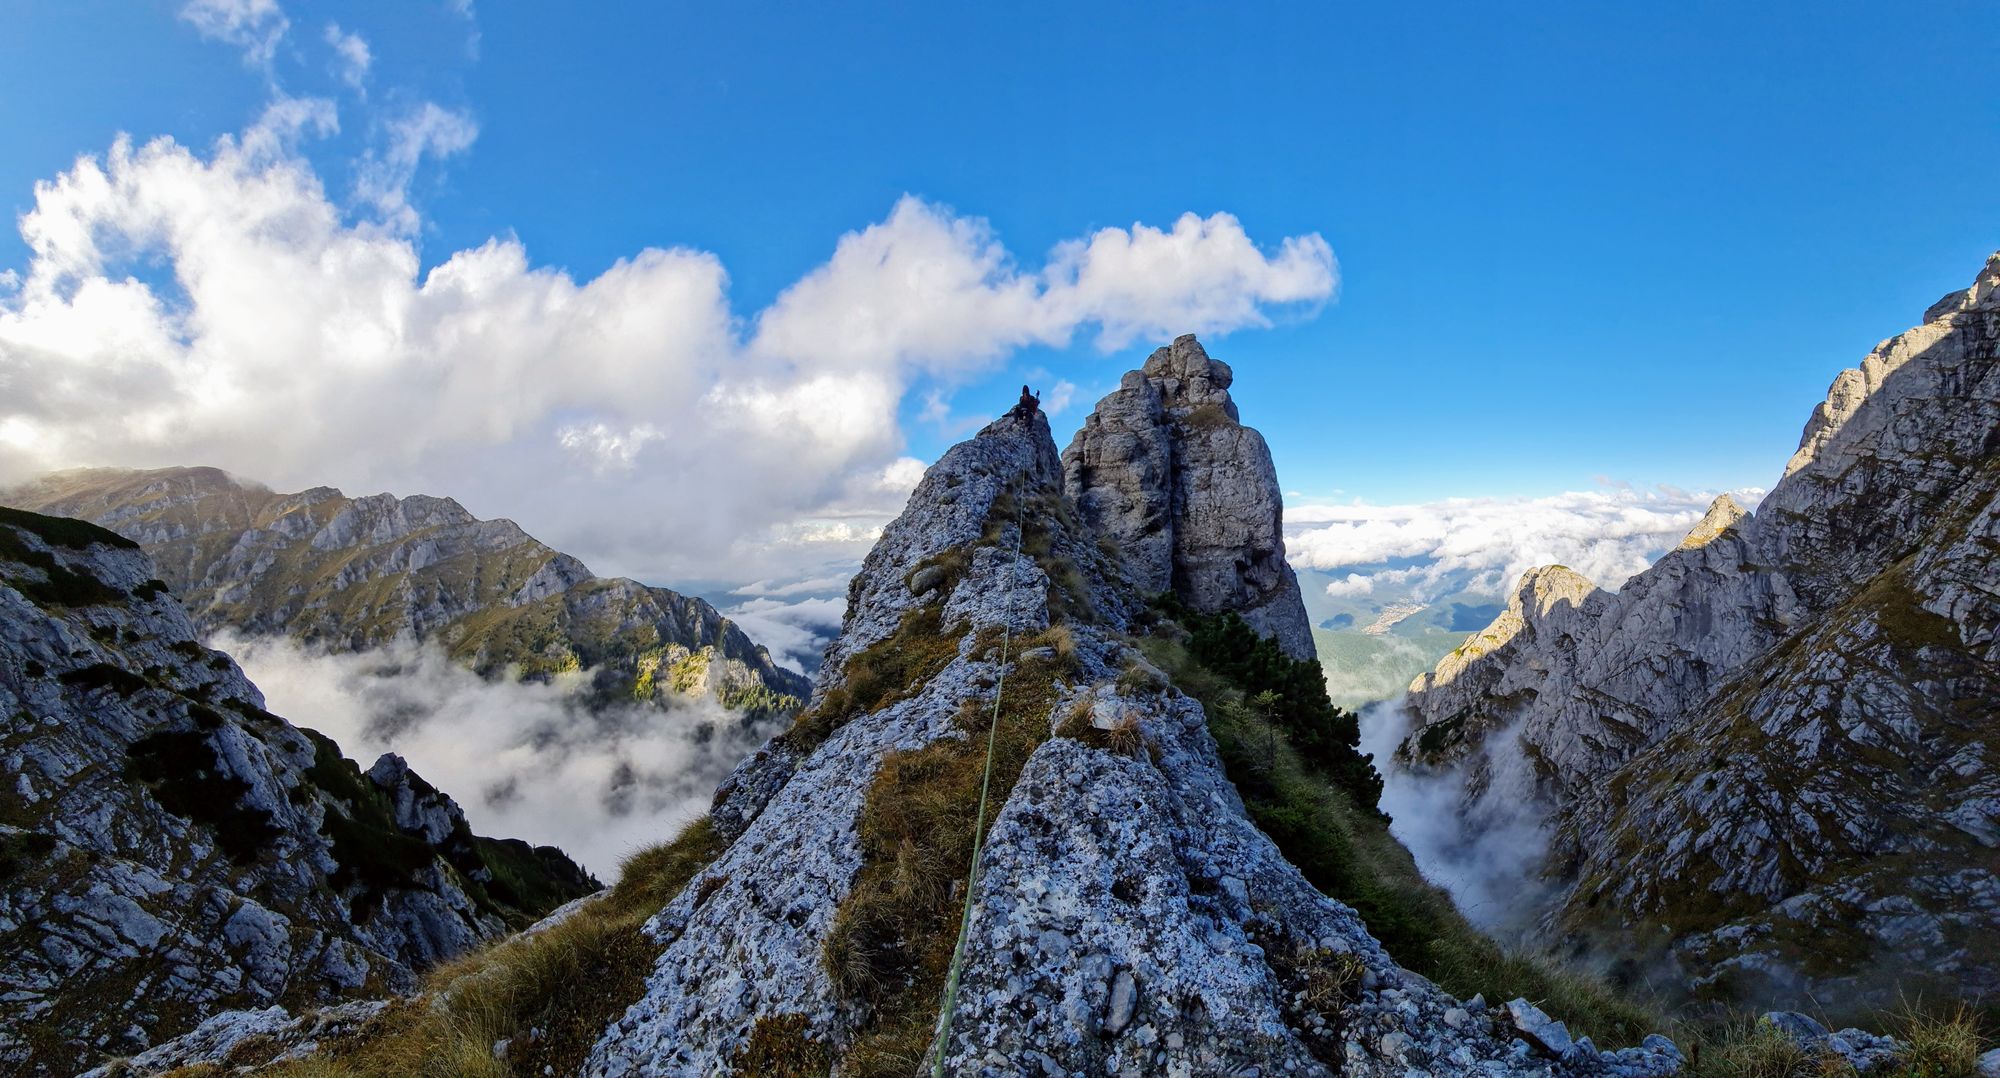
{"x": 779, "y": 1048}
{"x": 890, "y": 946}
{"x": 1760, "y": 1050}
{"x": 1125, "y": 738}
{"x": 569, "y": 981}
{"x": 1942, "y": 1045}
{"x": 890, "y": 670}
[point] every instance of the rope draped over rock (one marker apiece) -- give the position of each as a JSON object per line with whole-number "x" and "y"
{"x": 940, "y": 1041}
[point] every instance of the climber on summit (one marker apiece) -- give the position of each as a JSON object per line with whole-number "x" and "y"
{"x": 1029, "y": 403}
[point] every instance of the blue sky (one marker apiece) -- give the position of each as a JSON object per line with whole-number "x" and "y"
{"x": 1582, "y": 240}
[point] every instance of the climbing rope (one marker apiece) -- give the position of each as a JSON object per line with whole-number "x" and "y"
{"x": 950, "y": 1003}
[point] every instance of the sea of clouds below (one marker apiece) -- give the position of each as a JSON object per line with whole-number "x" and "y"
{"x": 524, "y": 760}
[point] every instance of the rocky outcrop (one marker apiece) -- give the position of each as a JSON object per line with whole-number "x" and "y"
{"x": 1128, "y": 918}
{"x": 1165, "y": 469}
{"x": 169, "y": 849}
{"x": 355, "y": 573}
{"x": 1776, "y": 748}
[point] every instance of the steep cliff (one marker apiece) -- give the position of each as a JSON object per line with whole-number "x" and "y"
{"x": 354, "y": 573}
{"x": 169, "y": 849}
{"x": 1166, "y": 470}
{"x": 1776, "y": 748}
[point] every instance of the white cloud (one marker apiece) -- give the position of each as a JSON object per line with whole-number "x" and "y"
{"x": 605, "y": 447}
{"x": 1203, "y": 276}
{"x": 796, "y": 631}
{"x": 1487, "y": 850}
{"x": 600, "y": 784}
{"x": 935, "y": 291}
{"x": 428, "y": 131}
{"x": 218, "y": 307}
{"x": 351, "y": 56}
{"x": 1351, "y": 584}
{"x": 1061, "y": 396}
{"x": 1484, "y": 544}
{"x": 254, "y": 26}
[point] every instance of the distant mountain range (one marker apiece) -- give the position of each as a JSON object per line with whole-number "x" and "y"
{"x": 348, "y": 574}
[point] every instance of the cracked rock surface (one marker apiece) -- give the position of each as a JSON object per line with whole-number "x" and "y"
{"x": 172, "y": 849}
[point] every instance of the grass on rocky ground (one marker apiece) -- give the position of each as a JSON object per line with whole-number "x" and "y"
{"x": 569, "y": 981}
{"x": 1307, "y": 804}
{"x": 1943, "y": 1043}
{"x": 1346, "y": 851}
{"x": 891, "y": 943}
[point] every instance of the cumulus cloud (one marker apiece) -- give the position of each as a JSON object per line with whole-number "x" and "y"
{"x": 254, "y": 26}
{"x": 1483, "y": 545}
{"x": 933, "y": 290}
{"x": 524, "y": 760}
{"x": 351, "y": 55}
{"x": 1203, "y": 275}
{"x": 219, "y": 307}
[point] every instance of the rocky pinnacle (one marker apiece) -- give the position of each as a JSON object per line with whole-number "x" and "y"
{"x": 1164, "y": 468}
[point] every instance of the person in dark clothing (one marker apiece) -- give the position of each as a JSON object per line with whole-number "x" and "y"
{"x": 1029, "y": 404}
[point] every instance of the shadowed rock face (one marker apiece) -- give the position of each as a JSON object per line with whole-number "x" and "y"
{"x": 1164, "y": 468}
{"x": 1782, "y": 741}
{"x": 354, "y": 573}
{"x": 169, "y": 849}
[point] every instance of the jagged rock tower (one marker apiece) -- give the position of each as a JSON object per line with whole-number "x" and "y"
{"x": 1129, "y": 918}
{"x": 1779, "y": 747}
{"x": 1164, "y": 468}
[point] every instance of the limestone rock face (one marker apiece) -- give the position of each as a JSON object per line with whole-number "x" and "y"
{"x": 1164, "y": 468}
{"x": 1780, "y": 741}
{"x": 170, "y": 848}
{"x": 1129, "y": 918}
{"x": 355, "y": 573}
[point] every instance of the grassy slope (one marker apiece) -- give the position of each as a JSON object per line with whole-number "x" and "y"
{"x": 1347, "y": 852}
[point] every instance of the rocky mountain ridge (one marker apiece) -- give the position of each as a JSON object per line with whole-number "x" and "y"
{"x": 350, "y": 574}
{"x": 169, "y": 849}
{"x": 1128, "y": 917}
{"x": 1778, "y": 749}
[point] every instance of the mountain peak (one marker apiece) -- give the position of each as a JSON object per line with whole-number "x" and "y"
{"x": 1723, "y": 514}
{"x": 1187, "y": 376}
{"x": 1164, "y": 468}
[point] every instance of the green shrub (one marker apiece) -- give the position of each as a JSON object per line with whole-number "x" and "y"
{"x": 150, "y": 590}
{"x": 1293, "y": 694}
{"x": 20, "y": 850}
{"x": 104, "y": 676}
{"x": 64, "y": 531}
{"x": 1342, "y": 845}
